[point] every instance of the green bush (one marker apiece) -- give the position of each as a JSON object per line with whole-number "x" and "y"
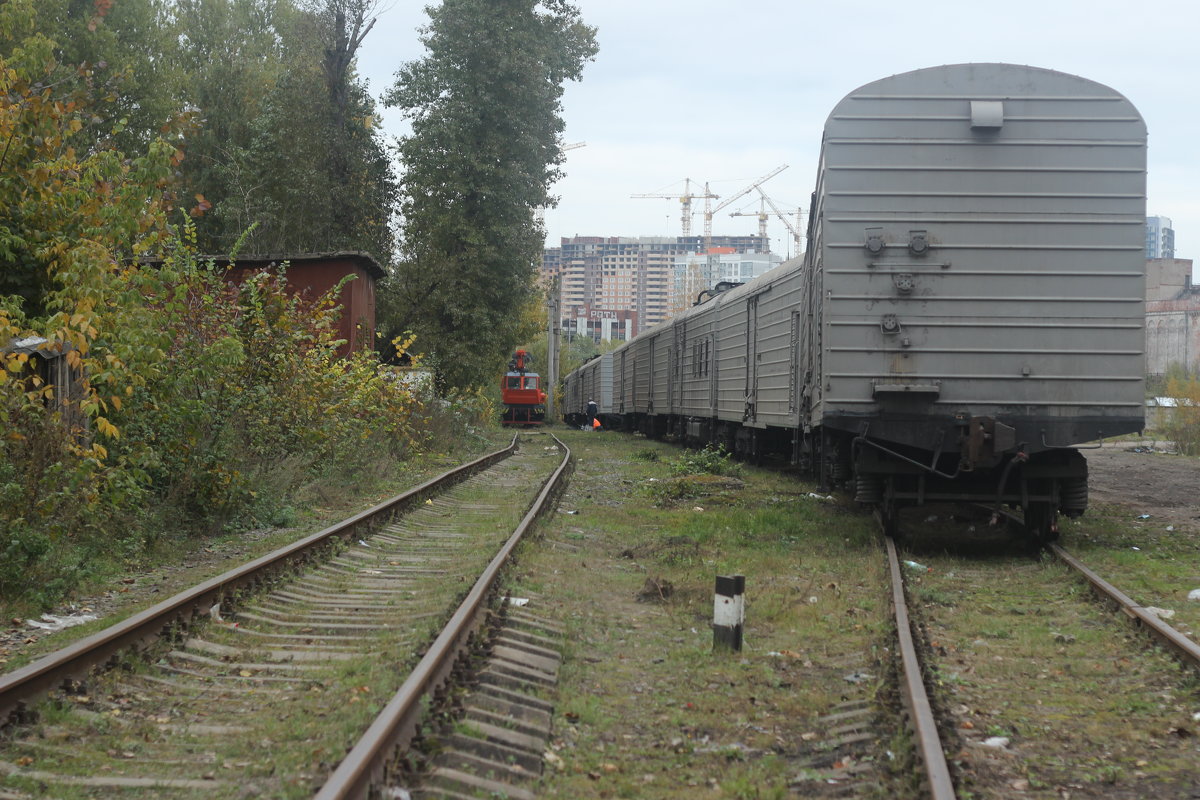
{"x": 1182, "y": 425}
{"x": 235, "y": 401}
{"x": 709, "y": 461}
{"x": 200, "y": 406}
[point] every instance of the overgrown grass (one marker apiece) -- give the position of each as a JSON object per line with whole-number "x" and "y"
{"x": 1154, "y": 565}
{"x": 306, "y": 726}
{"x": 1026, "y": 653}
{"x": 647, "y": 709}
{"x": 693, "y": 474}
{"x": 155, "y": 572}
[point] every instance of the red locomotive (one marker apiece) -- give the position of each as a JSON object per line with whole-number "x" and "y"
{"x": 521, "y": 392}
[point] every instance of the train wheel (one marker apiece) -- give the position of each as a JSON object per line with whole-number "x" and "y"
{"x": 747, "y": 446}
{"x": 1041, "y": 524}
{"x": 836, "y": 467}
{"x": 727, "y": 438}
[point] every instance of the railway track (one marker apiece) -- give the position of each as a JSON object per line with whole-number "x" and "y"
{"x": 307, "y": 670}
{"x": 1184, "y": 647}
{"x": 927, "y": 743}
{"x": 1073, "y": 671}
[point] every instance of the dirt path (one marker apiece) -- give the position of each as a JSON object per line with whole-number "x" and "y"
{"x": 1147, "y": 480}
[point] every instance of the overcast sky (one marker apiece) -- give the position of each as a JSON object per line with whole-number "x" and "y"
{"x": 725, "y": 92}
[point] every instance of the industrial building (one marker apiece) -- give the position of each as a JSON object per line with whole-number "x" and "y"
{"x": 1172, "y": 316}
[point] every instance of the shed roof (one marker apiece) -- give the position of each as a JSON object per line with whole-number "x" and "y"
{"x": 34, "y": 345}
{"x": 359, "y": 257}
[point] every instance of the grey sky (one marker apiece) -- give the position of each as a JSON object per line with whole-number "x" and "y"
{"x": 725, "y": 92}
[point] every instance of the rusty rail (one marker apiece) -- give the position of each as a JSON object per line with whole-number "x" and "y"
{"x": 76, "y": 660}
{"x": 916, "y": 699}
{"x": 367, "y": 764}
{"x": 1186, "y": 648}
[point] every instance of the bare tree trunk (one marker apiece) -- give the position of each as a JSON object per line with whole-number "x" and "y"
{"x": 350, "y": 21}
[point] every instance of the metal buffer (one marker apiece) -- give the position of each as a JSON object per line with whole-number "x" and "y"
{"x": 685, "y": 201}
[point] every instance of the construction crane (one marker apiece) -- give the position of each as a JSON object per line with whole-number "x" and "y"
{"x": 685, "y": 201}
{"x": 796, "y": 230}
{"x": 762, "y": 215}
{"x": 708, "y": 214}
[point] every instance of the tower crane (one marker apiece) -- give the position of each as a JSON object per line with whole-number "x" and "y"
{"x": 796, "y": 230}
{"x": 708, "y": 215}
{"x": 685, "y": 201}
{"x": 762, "y": 215}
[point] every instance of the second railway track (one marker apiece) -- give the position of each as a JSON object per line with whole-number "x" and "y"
{"x": 1042, "y": 693}
{"x": 272, "y": 692}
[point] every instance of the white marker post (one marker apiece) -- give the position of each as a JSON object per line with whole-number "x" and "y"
{"x": 729, "y": 612}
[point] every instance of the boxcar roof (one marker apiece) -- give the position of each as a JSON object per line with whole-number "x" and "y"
{"x": 987, "y": 81}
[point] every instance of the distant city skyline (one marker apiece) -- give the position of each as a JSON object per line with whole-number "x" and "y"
{"x": 617, "y": 286}
{"x": 715, "y": 92}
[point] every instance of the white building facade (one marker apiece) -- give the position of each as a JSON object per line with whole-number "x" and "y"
{"x": 693, "y": 273}
{"x": 1160, "y": 238}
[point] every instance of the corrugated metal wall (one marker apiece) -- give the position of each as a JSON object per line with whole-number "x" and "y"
{"x": 1029, "y": 293}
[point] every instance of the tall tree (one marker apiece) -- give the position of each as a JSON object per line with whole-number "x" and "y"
{"x": 345, "y": 24}
{"x": 64, "y": 186}
{"x": 232, "y": 54}
{"x": 357, "y": 164}
{"x": 485, "y": 108}
{"x": 286, "y": 142}
{"x": 124, "y": 51}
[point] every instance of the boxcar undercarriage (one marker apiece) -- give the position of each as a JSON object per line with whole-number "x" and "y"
{"x": 974, "y": 461}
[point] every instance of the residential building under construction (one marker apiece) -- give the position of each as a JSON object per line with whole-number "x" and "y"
{"x": 616, "y": 287}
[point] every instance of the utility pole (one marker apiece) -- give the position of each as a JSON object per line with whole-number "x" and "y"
{"x": 552, "y": 349}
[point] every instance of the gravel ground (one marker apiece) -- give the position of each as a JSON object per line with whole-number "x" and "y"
{"x": 1146, "y": 478}
{"x": 142, "y": 587}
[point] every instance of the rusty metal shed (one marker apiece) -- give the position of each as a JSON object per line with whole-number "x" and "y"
{"x": 312, "y": 274}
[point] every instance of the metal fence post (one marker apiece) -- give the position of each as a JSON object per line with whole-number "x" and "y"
{"x": 729, "y": 612}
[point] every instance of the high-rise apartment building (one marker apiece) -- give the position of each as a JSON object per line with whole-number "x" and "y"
{"x": 1160, "y": 238}
{"x": 617, "y": 287}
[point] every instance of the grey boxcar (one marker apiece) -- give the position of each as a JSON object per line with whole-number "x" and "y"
{"x": 969, "y": 308}
{"x": 978, "y": 267}
{"x": 592, "y": 381}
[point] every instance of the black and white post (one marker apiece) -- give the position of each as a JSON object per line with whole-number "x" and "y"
{"x": 729, "y": 612}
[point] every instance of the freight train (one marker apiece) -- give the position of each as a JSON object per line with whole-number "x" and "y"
{"x": 967, "y": 313}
